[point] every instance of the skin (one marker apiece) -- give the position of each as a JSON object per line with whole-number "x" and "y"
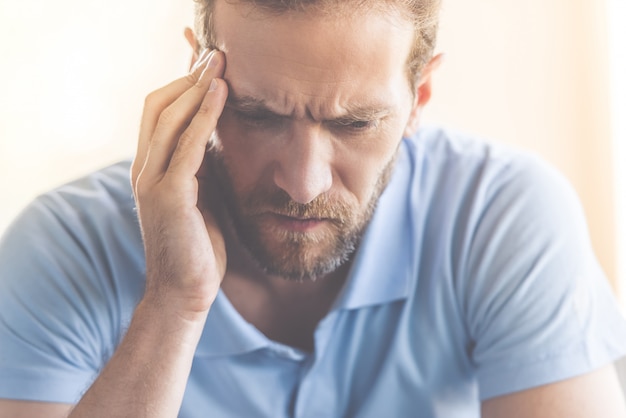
{"x": 293, "y": 123}
{"x": 300, "y": 124}
{"x": 310, "y": 80}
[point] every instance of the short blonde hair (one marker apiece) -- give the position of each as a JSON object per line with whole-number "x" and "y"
{"x": 423, "y": 14}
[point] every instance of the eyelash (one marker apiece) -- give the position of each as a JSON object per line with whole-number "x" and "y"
{"x": 357, "y": 125}
{"x": 269, "y": 121}
{"x": 257, "y": 121}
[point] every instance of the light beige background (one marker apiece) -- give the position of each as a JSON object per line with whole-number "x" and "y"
{"x": 532, "y": 73}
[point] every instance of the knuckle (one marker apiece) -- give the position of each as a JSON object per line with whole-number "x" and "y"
{"x": 205, "y": 110}
{"x": 153, "y": 102}
{"x": 186, "y": 137}
{"x": 146, "y": 189}
{"x": 168, "y": 116}
{"x": 192, "y": 78}
{"x": 209, "y": 114}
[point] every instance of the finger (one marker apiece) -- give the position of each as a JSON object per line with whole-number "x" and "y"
{"x": 174, "y": 119}
{"x": 191, "y": 147}
{"x": 155, "y": 103}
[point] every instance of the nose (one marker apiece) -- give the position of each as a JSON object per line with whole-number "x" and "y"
{"x": 304, "y": 165}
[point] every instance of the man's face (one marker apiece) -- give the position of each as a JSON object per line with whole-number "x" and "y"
{"x": 316, "y": 110}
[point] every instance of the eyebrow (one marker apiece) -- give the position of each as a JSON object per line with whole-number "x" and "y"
{"x": 248, "y": 104}
{"x": 252, "y": 105}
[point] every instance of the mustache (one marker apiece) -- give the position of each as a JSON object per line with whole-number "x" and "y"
{"x": 277, "y": 201}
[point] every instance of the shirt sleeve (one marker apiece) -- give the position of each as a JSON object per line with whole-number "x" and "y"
{"x": 62, "y": 295}
{"x": 538, "y": 306}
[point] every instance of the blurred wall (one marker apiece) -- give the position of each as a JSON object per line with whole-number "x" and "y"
{"x": 74, "y": 74}
{"x": 73, "y": 78}
{"x": 617, "y": 35}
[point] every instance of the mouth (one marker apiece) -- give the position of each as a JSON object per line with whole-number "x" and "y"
{"x": 296, "y": 224}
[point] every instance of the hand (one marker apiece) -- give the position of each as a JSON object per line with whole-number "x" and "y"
{"x": 184, "y": 247}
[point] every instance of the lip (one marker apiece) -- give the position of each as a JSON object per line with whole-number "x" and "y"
{"x": 297, "y": 224}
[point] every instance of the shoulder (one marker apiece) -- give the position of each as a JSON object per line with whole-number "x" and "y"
{"x": 90, "y": 222}
{"x": 504, "y": 236}
{"x": 106, "y": 190}
{"x": 84, "y": 230}
{"x": 71, "y": 272}
{"x": 443, "y": 153}
{"x": 89, "y": 218}
{"x": 472, "y": 180}
{"x": 76, "y": 248}
{"x": 495, "y": 212}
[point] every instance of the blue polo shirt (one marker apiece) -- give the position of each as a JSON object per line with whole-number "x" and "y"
{"x": 475, "y": 279}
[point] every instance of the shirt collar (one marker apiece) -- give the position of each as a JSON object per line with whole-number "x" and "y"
{"x": 226, "y": 332}
{"x": 384, "y": 265}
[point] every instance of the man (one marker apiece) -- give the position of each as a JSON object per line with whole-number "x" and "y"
{"x": 299, "y": 257}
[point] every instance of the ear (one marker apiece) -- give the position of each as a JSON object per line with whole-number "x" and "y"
{"x": 423, "y": 91}
{"x": 194, "y": 44}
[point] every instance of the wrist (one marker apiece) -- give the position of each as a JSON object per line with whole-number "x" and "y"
{"x": 149, "y": 369}
{"x": 164, "y": 321}
{"x": 173, "y": 303}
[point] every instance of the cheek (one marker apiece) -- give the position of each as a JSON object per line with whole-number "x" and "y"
{"x": 359, "y": 172}
{"x": 248, "y": 161}
{"x": 357, "y": 162}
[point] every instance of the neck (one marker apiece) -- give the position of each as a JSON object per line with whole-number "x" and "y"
{"x": 284, "y": 310}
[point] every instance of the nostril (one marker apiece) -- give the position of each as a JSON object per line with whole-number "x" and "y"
{"x": 304, "y": 182}
{"x": 303, "y": 168}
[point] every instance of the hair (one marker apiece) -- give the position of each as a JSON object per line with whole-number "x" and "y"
{"x": 423, "y": 14}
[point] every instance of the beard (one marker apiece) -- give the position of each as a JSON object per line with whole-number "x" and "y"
{"x": 296, "y": 255}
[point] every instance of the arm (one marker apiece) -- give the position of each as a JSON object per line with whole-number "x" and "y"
{"x": 184, "y": 253}
{"x": 26, "y": 409}
{"x": 542, "y": 316}
{"x": 596, "y": 394}
{"x": 184, "y": 249}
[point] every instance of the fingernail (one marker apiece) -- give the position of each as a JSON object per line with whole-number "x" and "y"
{"x": 213, "y": 85}
{"x": 201, "y": 60}
{"x": 213, "y": 60}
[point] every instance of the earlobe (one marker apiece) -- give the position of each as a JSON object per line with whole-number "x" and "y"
{"x": 423, "y": 93}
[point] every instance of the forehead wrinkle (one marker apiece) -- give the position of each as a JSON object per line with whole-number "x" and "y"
{"x": 251, "y": 104}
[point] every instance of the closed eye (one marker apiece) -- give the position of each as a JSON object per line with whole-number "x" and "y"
{"x": 259, "y": 119}
{"x": 355, "y": 125}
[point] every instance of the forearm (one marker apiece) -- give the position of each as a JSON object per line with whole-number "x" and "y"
{"x": 184, "y": 251}
{"x": 147, "y": 375}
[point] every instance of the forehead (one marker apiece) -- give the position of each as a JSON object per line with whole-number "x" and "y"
{"x": 310, "y": 55}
